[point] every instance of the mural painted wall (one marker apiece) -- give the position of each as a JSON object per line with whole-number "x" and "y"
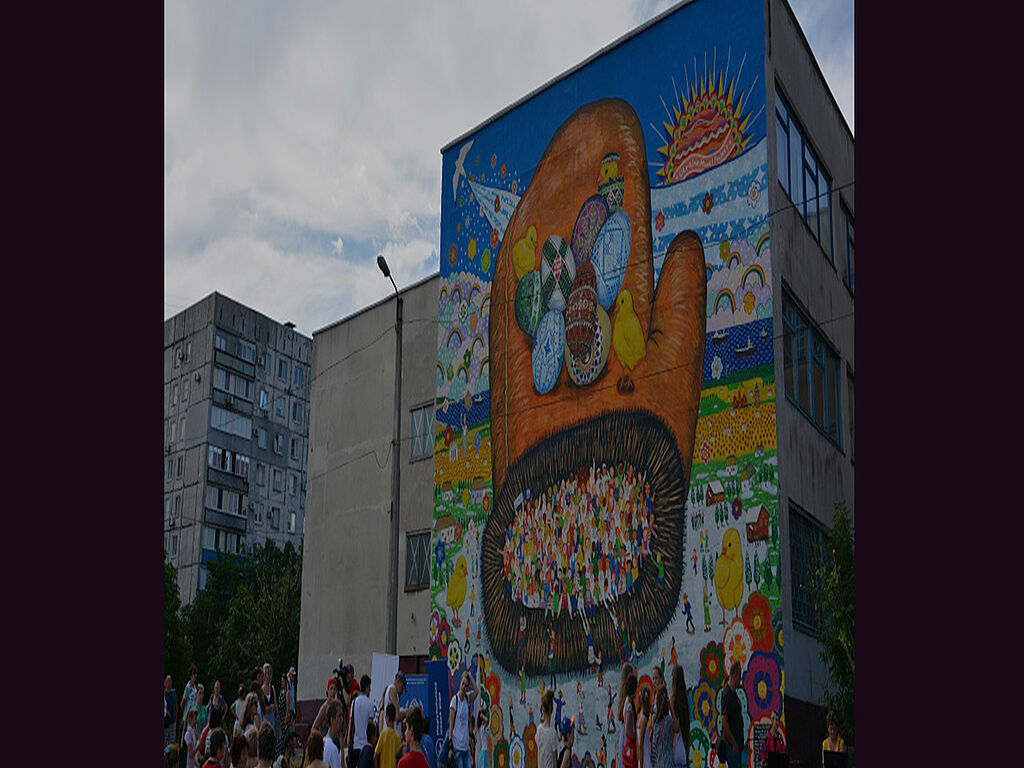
{"x": 605, "y": 439}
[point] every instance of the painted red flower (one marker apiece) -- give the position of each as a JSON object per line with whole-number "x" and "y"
{"x": 712, "y": 664}
{"x": 659, "y": 221}
{"x": 453, "y": 254}
{"x": 757, "y": 620}
{"x": 494, "y": 238}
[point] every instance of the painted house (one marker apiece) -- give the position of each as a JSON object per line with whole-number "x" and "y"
{"x": 714, "y": 493}
{"x": 445, "y": 529}
{"x": 757, "y": 523}
{"x": 747, "y": 477}
{"x": 730, "y": 466}
{"x": 477, "y": 489}
{"x": 447, "y": 494}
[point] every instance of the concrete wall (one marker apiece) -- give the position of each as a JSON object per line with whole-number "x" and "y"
{"x": 345, "y": 567}
{"x": 814, "y": 473}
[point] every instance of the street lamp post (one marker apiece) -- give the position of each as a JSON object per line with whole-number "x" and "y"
{"x": 396, "y": 445}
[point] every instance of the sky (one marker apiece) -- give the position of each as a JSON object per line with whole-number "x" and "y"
{"x": 301, "y": 139}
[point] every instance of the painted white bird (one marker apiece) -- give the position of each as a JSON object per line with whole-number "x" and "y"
{"x": 460, "y": 169}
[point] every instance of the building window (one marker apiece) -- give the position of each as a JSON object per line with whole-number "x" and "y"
{"x": 268, "y": 365}
{"x": 184, "y": 390}
{"x": 293, "y": 484}
{"x": 188, "y": 351}
{"x": 181, "y": 463}
{"x": 261, "y": 437}
{"x": 170, "y": 468}
{"x": 174, "y": 394}
{"x": 167, "y": 508}
{"x": 232, "y": 383}
{"x": 806, "y": 550}
{"x": 223, "y": 541}
{"x": 802, "y": 175}
{"x": 261, "y": 474}
{"x": 246, "y": 351}
{"x": 810, "y": 371}
{"x": 279, "y": 409}
{"x": 282, "y": 370}
{"x": 177, "y": 356}
{"x": 258, "y": 514}
{"x": 846, "y": 234}
{"x": 275, "y": 518}
{"x": 174, "y": 544}
{"x": 216, "y": 457}
{"x": 849, "y": 407}
{"x": 422, "y": 445}
{"x": 177, "y": 505}
{"x": 264, "y": 399}
{"x": 232, "y": 423}
{"x": 181, "y": 428}
{"x": 291, "y": 522}
{"x": 296, "y": 448}
{"x": 300, "y": 375}
{"x": 220, "y": 341}
{"x": 297, "y": 412}
{"x": 223, "y": 500}
{"x": 278, "y": 484}
{"x": 278, "y": 443}
{"x": 417, "y": 560}
{"x": 174, "y": 431}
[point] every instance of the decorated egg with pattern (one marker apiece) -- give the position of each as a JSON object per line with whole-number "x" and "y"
{"x": 557, "y": 271}
{"x": 611, "y": 256}
{"x": 591, "y": 218}
{"x": 580, "y": 312}
{"x": 584, "y": 371}
{"x": 529, "y": 306}
{"x": 548, "y": 347}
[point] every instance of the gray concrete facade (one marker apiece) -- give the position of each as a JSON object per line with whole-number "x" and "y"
{"x": 236, "y": 421}
{"x": 345, "y": 568}
{"x": 814, "y": 471}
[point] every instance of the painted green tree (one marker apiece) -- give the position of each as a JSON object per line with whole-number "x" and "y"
{"x": 834, "y": 592}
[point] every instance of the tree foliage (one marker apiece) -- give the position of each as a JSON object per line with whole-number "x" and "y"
{"x": 247, "y": 614}
{"x": 177, "y": 652}
{"x": 835, "y": 588}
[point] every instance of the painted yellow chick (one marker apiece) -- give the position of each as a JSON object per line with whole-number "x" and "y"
{"x": 524, "y": 253}
{"x": 729, "y": 573}
{"x": 627, "y": 339}
{"x": 609, "y": 167}
{"x": 457, "y": 589}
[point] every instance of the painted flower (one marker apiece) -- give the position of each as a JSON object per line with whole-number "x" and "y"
{"x": 762, "y": 682}
{"x": 704, "y": 707}
{"x": 574, "y": 762}
{"x": 439, "y": 553}
{"x": 515, "y": 186}
{"x": 454, "y": 659}
{"x": 435, "y": 624}
{"x": 737, "y": 508}
{"x": 753, "y": 193}
{"x": 588, "y": 761}
{"x": 659, "y": 221}
{"x": 517, "y": 753}
{"x": 756, "y": 619}
{"x": 435, "y": 651}
{"x": 444, "y": 635}
{"x": 712, "y": 664}
{"x": 700, "y": 747}
{"x": 453, "y": 254}
{"x": 738, "y": 644}
{"x": 530, "y": 740}
{"x": 448, "y": 432}
{"x": 705, "y": 451}
{"x": 724, "y": 250}
{"x": 716, "y": 367}
{"x": 777, "y": 623}
{"x": 494, "y": 238}
{"x": 493, "y": 686}
{"x": 500, "y": 753}
{"x": 504, "y": 170}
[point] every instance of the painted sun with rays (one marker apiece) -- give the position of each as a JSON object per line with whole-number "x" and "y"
{"x": 708, "y": 126}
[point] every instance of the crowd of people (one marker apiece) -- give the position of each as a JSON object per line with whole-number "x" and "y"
{"x": 201, "y": 731}
{"x": 654, "y": 726}
{"x": 582, "y": 541}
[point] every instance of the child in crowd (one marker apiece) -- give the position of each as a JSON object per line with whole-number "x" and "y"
{"x": 389, "y": 744}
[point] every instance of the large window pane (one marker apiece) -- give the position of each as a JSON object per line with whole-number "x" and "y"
{"x": 818, "y": 394}
{"x": 788, "y": 355}
{"x": 825, "y": 212}
{"x": 811, "y": 190}
{"x": 782, "y": 147}
{"x": 796, "y": 173}
{"x": 803, "y": 366}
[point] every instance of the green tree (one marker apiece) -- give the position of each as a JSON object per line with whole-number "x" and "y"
{"x": 834, "y": 590}
{"x": 177, "y": 653}
{"x": 757, "y": 571}
{"x": 746, "y": 570}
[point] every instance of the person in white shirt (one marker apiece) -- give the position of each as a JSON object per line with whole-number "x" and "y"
{"x": 191, "y": 739}
{"x": 332, "y": 748}
{"x": 547, "y": 739}
{"x": 362, "y": 711}
{"x": 458, "y": 720}
{"x": 391, "y": 696}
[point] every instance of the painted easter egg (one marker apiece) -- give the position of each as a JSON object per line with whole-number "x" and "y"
{"x": 611, "y": 256}
{"x": 557, "y": 271}
{"x": 613, "y": 191}
{"x": 548, "y": 346}
{"x": 529, "y": 307}
{"x": 583, "y": 371}
{"x": 580, "y": 312}
{"x": 591, "y": 218}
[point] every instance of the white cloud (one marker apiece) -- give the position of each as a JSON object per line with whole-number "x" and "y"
{"x": 303, "y": 138}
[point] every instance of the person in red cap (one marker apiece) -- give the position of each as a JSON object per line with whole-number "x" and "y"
{"x": 320, "y": 721}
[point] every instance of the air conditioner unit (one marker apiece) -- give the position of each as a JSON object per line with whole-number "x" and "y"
{"x": 181, "y": 355}
{"x": 252, "y": 506}
{"x": 261, "y": 359}
{"x": 255, "y": 432}
{"x": 229, "y": 400}
{"x": 168, "y": 449}
{"x": 198, "y": 377}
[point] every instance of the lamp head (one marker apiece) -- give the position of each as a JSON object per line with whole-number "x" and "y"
{"x": 383, "y": 265}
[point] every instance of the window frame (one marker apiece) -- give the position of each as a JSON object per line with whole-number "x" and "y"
{"x": 428, "y": 436}
{"x": 410, "y": 562}
{"x": 849, "y": 268}
{"x": 804, "y": 610}
{"x": 808, "y": 163}
{"x": 801, "y": 334}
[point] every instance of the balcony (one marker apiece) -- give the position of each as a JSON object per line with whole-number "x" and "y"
{"x": 225, "y": 520}
{"x": 227, "y": 480}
